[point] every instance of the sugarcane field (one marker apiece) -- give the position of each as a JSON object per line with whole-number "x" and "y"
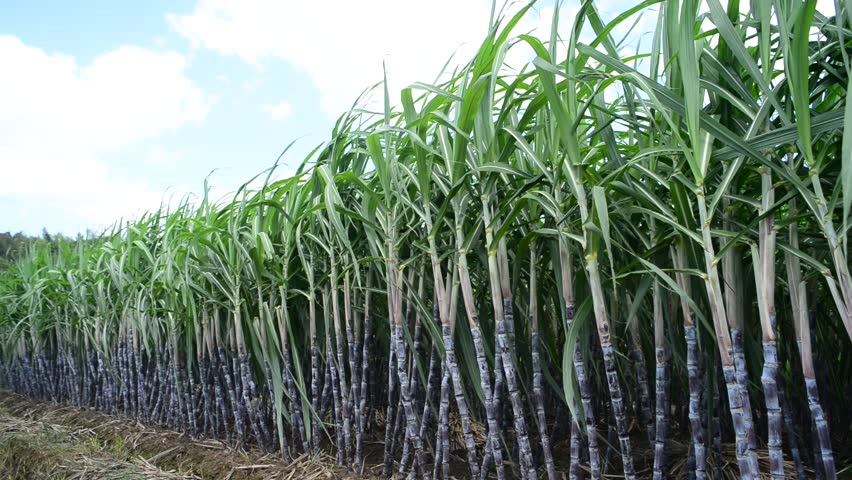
{"x": 614, "y": 246}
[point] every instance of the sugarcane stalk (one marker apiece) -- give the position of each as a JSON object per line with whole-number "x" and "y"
{"x": 353, "y": 337}
{"x": 641, "y": 372}
{"x": 210, "y": 427}
{"x": 340, "y": 373}
{"x": 567, "y": 274}
{"x": 351, "y": 397}
{"x": 190, "y": 399}
{"x": 232, "y": 394}
{"x": 297, "y": 420}
{"x": 538, "y": 394}
{"x": 733, "y": 288}
{"x": 412, "y": 367}
{"x": 792, "y": 434}
{"x": 501, "y": 298}
{"x": 446, "y": 308}
{"x": 121, "y": 358}
{"x": 158, "y": 393}
{"x": 493, "y": 449}
{"x": 432, "y": 385}
{"x": 432, "y": 389}
{"x": 764, "y": 266}
{"x": 694, "y": 378}
{"x": 132, "y": 372}
{"x": 218, "y": 367}
{"x": 315, "y": 368}
{"x": 390, "y": 413}
{"x": 742, "y": 382}
{"x": 716, "y": 421}
{"x": 444, "y": 429}
{"x": 748, "y": 470}
{"x": 338, "y": 404}
{"x": 461, "y": 403}
{"x": 172, "y": 411}
{"x": 799, "y": 302}
{"x": 181, "y": 397}
{"x": 327, "y": 399}
{"x": 141, "y": 395}
{"x": 661, "y": 385}
{"x": 611, "y": 440}
{"x": 211, "y": 376}
{"x": 399, "y": 425}
{"x": 820, "y": 422}
{"x": 609, "y": 365}
{"x": 234, "y": 371}
{"x": 412, "y": 423}
{"x": 365, "y": 373}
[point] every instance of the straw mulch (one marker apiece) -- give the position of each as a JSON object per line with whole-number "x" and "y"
{"x": 47, "y": 440}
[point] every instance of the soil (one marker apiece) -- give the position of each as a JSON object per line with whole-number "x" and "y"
{"x": 45, "y": 440}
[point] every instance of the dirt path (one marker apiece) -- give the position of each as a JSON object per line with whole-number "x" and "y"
{"x": 43, "y": 440}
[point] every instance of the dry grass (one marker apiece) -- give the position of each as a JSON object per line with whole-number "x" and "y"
{"x": 46, "y": 440}
{"x": 32, "y": 449}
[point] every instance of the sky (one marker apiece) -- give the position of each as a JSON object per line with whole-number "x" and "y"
{"x": 109, "y": 109}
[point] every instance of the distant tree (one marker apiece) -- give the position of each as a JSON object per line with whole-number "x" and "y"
{"x": 13, "y": 245}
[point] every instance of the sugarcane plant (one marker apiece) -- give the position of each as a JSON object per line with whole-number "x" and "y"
{"x": 481, "y": 274}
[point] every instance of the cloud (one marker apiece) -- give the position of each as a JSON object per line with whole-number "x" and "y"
{"x": 343, "y": 52}
{"x": 251, "y": 86}
{"x": 60, "y": 120}
{"x": 278, "y": 111}
{"x": 827, "y": 7}
{"x": 158, "y": 156}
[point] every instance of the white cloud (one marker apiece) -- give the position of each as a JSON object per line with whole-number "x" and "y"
{"x": 251, "y": 86}
{"x": 826, "y": 7}
{"x": 158, "y": 156}
{"x": 60, "y": 119}
{"x": 278, "y": 111}
{"x": 343, "y": 52}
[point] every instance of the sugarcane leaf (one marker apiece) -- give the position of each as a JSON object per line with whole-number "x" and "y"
{"x": 528, "y": 151}
{"x": 820, "y": 123}
{"x": 810, "y": 260}
{"x": 673, "y": 223}
{"x": 673, "y": 285}
{"x": 738, "y": 48}
{"x": 602, "y": 209}
{"x": 688, "y": 62}
{"x": 846, "y": 158}
{"x": 638, "y": 298}
{"x": 798, "y": 72}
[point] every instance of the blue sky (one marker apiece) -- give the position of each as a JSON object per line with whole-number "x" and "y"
{"x": 110, "y": 108}
{"x": 197, "y": 111}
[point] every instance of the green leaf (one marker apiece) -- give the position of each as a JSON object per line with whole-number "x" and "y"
{"x": 799, "y": 73}
{"x": 846, "y": 159}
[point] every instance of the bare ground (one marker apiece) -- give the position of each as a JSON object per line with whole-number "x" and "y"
{"x": 44, "y": 440}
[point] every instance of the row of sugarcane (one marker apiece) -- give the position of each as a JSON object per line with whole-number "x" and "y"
{"x": 509, "y": 265}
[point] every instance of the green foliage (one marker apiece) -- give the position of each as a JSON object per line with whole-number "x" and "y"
{"x": 601, "y": 148}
